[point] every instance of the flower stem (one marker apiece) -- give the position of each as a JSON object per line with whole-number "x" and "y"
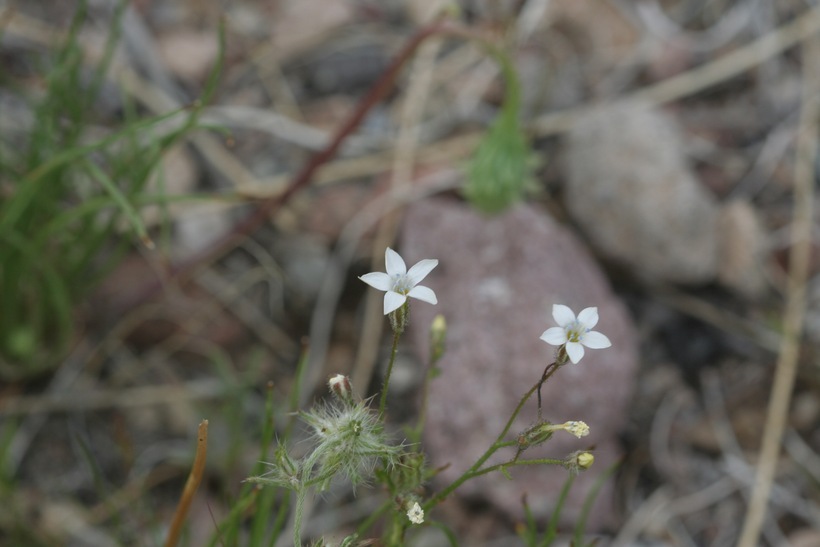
{"x": 415, "y": 433}
{"x": 475, "y": 469}
{"x": 549, "y": 371}
{"x": 385, "y": 385}
{"x": 297, "y": 520}
{"x": 515, "y": 463}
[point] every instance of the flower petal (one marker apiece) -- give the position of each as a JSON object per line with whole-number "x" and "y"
{"x": 424, "y": 294}
{"x": 555, "y": 336}
{"x": 595, "y": 340}
{"x": 589, "y": 317}
{"x": 393, "y": 301}
{"x": 421, "y": 269}
{"x": 378, "y": 280}
{"x": 575, "y": 351}
{"x": 393, "y": 263}
{"x": 562, "y": 315}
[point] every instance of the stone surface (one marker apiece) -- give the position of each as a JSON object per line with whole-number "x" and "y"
{"x": 496, "y": 283}
{"x": 299, "y": 25}
{"x": 631, "y": 191}
{"x": 742, "y": 244}
{"x": 188, "y": 54}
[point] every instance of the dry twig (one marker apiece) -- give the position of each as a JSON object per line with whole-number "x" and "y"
{"x": 191, "y": 485}
{"x": 421, "y": 76}
{"x": 777, "y": 414}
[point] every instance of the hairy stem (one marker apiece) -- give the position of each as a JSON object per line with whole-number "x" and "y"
{"x": 386, "y": 384}
{"x": 298, "y": 513}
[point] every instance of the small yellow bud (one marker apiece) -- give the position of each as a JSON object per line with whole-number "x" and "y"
{"x": 439, "y": 326}
{"x": 579, "y": 461}
{"x": 438, "y": 335}
{"x": 585, "y": 460}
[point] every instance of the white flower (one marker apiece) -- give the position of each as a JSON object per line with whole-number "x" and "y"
{"x": 400, "y": 283}
{"x": 575, "y": 333}
{"x": 415, "y": 513}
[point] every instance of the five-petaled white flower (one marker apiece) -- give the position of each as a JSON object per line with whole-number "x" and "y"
{"x": 415, "y": 513}
{"x": 401, "y": 283}
{"x": 575, "y": 333}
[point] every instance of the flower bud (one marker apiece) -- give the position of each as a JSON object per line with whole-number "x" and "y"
{"x": 579, "y": 461}
{"x": 339, "y": 385}
{"x": 438, "y": 335}
{"x": 542, "y": 431}
{"x": 577, "y": 428}
{"x": 585, "y": 460}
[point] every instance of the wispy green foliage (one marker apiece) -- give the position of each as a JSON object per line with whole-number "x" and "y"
{"x": 499, "y": 170}
{"x": 66, "y": 199}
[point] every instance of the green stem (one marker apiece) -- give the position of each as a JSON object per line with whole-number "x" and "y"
{"x": 425, "y": 397}
{"x": 515, "y": 463}
{"x": 385, "y": 385}
{"x": 549, "y": 371}
{"x": 297, "y": 519}
{"x": 436, "y": 353}
{"x": 499, "y": 443}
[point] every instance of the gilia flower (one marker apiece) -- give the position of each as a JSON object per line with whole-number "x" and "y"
{"x": 416, "y": 514}
{"x": 575, "y": 333}
{"x": 399, "y": 283}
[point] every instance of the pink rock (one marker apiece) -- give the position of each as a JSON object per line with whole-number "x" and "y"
{"x": 496, "y": 283}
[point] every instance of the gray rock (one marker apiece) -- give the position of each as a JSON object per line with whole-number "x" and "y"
{"x": 634, "y": 196}
{"x": 743, "y": 242}
{"x": 496, "y": 283}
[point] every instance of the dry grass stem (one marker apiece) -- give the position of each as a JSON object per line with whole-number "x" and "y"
{"x": 412, "y": 110}
{"x": 794, "y": 316}
{"x": 191, "y": 485}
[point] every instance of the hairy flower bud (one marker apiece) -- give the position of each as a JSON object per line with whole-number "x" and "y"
{"x": 349, "y": 441}
{"x": 339, "y": 385}
{"x": 579, "y": 461}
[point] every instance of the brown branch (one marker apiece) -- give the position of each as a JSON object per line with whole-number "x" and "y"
{"x": 191, "y": 485}
{"x": 257, "y": 218}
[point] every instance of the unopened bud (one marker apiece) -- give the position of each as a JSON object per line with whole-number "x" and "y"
{"x": 340, "y": 386}
{"x": 579, "y": 461}
{"x": 585, "y": 460}
{"x": 438, "y": 336}
{"x": 577, "y": 428}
